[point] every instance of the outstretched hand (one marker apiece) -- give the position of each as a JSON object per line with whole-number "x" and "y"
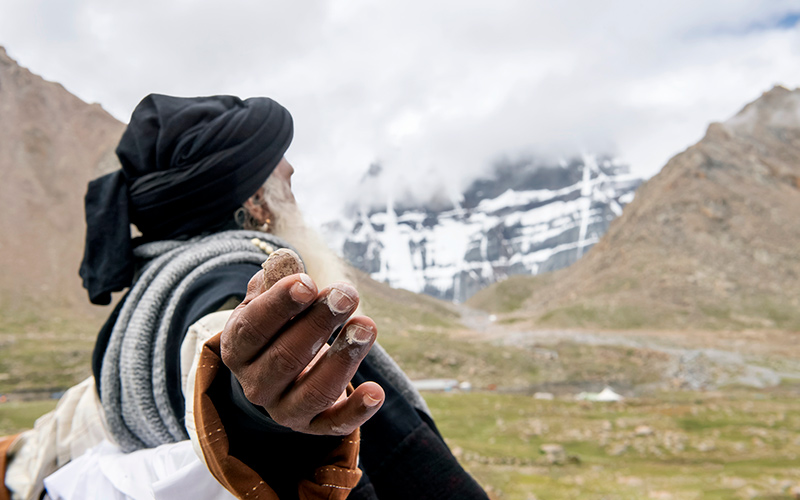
{"x": 275, "y": 345}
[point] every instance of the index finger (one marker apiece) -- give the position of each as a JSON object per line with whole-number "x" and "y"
{"x": 254, "y": 323}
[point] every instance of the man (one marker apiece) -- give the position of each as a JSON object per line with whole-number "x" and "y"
{"x": 270, "y": 408}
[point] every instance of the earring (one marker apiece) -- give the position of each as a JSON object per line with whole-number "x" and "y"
{"x": 240, "y": 217}
{"x": 265, "y": 226}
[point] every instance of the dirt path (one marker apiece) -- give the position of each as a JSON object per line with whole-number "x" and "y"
{"x": 700, "y": 359}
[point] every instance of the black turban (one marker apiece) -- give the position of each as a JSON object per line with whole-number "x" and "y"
{"x": 187, "y": 164}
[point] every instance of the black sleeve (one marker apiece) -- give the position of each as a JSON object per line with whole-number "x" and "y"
{"x": 279, "y": 455}
{"x": 403, "y": 453}
{"x": 204, "y": 296}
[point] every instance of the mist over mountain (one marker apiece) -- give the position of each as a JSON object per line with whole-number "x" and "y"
{"x": 526, "y": 217}
{"x": 711, "y": 241}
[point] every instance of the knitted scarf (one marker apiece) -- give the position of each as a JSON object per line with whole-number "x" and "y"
{"x": 133, "y": 385}
{"x": 133, "y": 375}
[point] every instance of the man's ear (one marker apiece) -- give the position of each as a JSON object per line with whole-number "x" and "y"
{"x": 257, "y": 206}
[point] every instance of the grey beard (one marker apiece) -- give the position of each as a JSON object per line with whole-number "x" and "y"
{"x": 322, "y": 264}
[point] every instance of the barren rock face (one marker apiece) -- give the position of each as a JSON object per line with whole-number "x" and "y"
{"x": 712, "y": 237}
{"x": 52, "y": 145}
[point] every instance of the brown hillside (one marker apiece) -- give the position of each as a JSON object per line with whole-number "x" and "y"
{"x": 52, "y": 145}
{"x": 711, "y": 241}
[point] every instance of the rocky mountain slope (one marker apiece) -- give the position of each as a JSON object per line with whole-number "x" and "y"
{"x": 711, "y": 241}
{"x": 51, "y": 145}
{"x": 526, "y": 217}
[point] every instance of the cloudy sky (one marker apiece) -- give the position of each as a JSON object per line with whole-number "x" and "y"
{"x": 432, "y": 89}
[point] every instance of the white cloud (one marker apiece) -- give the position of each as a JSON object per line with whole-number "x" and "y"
{"x": 433, "y": 89}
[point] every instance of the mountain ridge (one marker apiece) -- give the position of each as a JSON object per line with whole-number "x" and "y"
{"x": 525, "y": 217}
{"x": 53, "y": 144}
{"x": 710, "y": 241}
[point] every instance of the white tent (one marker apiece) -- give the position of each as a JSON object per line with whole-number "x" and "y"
{"x": 606, "y": 394}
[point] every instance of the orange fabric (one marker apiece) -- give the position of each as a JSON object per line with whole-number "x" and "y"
{"x": 333, "y": 480}
{"x": 5, "y": 444}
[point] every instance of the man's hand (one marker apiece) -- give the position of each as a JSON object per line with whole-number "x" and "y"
{"x": 275, "y": 344}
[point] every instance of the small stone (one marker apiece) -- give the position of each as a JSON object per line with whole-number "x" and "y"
{"x": 537, "y": 427}
{"x": 630, "y": 481}
{"x": 279, "y": 264}
{"x": 751, "y": 492}
{"x": 553, "y": 453}
{"x": 733, "y": 482}
{"x": 706, "y": 446}
{"x": 616, "y": 450}
{"x": 643, "y": 430}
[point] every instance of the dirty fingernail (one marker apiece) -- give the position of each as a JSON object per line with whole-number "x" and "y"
{"x": 339, "y": 301}
{"x": 370, "y": 402}
{"x": 303, "y": 289}
{"x": 356, "y": 333}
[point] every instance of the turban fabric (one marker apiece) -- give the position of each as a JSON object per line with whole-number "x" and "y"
{"x": 187, "y": 165}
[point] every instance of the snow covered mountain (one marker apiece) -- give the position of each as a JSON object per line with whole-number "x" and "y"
{"x": 526, "y": 218}
{"x": 709, "y": 243}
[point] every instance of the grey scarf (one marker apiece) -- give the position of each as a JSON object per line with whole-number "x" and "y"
{"x": 133, "y": 375}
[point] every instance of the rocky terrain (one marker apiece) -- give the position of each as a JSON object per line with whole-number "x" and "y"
{"x": 709, "y": 242}
{"x": 52, "y": 145}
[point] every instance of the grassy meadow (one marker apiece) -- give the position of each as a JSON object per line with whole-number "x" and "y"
{"x": 664, "y": 441}
{"x": 40, "y": 355}
{"x": 677, "y": 445}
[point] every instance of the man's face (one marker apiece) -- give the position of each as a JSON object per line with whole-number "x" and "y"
{"x": 274, "y": 197}
{"x": 283, "y": 172}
